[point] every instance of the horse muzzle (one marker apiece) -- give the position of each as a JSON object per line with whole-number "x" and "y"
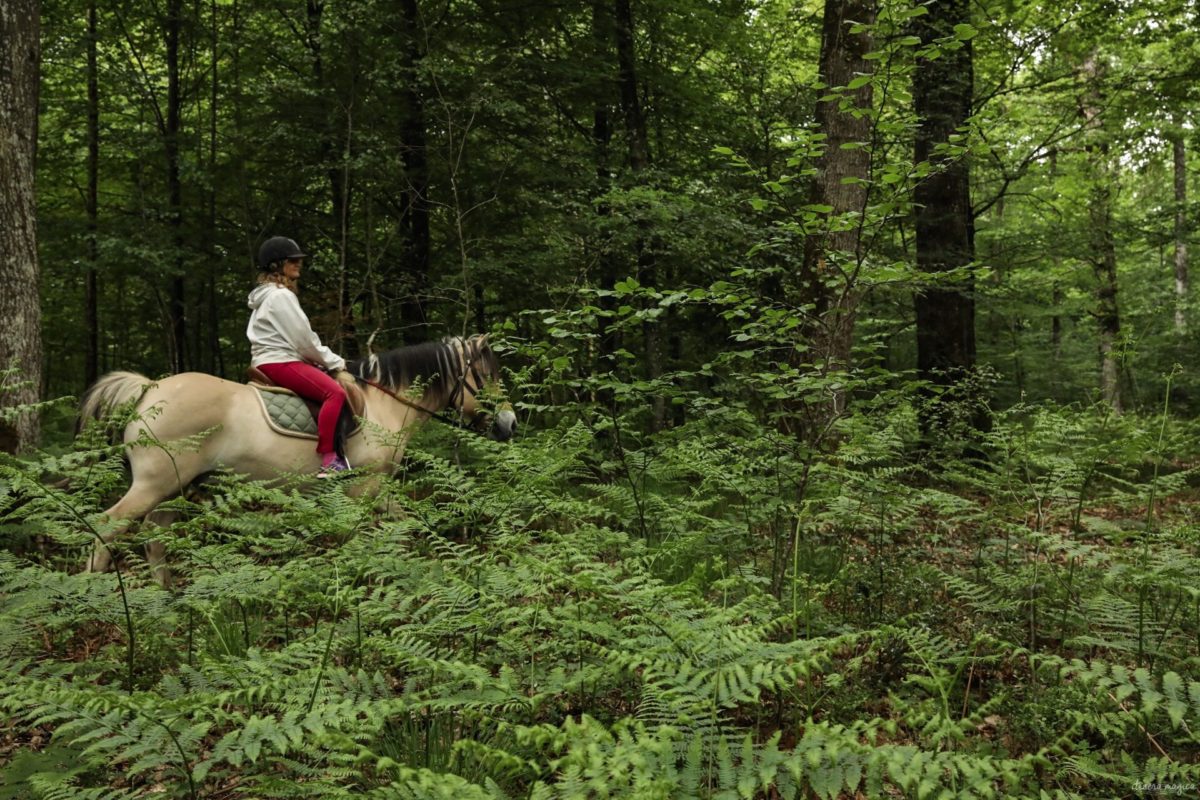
{"x": 505, "y": 425}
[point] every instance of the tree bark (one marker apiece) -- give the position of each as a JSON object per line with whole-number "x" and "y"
{"x": 177, "y": 306}
{"x": 631, "y": 107}
{"x": 638, "y": 145}
{"x": 1108, "y": 318}
{"x": 1102, "y": 250}
{"x": 91, "y": 315}
{"x": 943, "y": 90}
{"x": 1179, "y": 156}
{"x": 20, "y": 309}
{"x": 415, "y": 153}
{"x": 832, "y": 257}
{"x": 602, "y": 130}
{"x": 1056, "y": 294}
{"x": 335, "y": 155}
{"x": 216, "y": 363}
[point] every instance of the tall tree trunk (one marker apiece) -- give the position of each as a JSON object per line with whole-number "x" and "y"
{"x": 20, "y": 307}
{"x": 639, "y": 160}
{"x": 631, "y": 107}
{"x": 602, "y": 130}
{"x": 216, "y": 362}
{"x": 236, "y": 108}
{"x": 832, "y": 257}
{"x": 943, "y": 89}
{"x": 335, "y": 155}
{"x": 177, "y": 306}
{"x": 1056, "y": 301}
{"x": 1108, "y": 316}
{"x": 1056, "y": 293}
{"x": 1181, "y": 231}
{"x": 91, "y": 315}
{"x": 1102, "y": 250}
{"x": 346, "y": 298}
{"x": 414, "y": 316}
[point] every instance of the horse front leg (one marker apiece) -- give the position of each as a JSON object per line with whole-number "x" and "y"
{"x": 376, "y": 487}
{"x": 156, "y": 551}
{"x": 156, "y": 559}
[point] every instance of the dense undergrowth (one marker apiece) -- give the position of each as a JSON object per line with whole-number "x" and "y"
{"x": 714, "y": 611}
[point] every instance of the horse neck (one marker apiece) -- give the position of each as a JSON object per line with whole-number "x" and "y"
{"x": 384, "y": 409}
{"x": 451, "y": 364}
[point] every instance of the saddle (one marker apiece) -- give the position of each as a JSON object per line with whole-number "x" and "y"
{"x": 292, "y": 415}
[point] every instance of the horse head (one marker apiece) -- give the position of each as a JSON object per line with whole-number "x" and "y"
{"x": 477, "y": 391}
{"x": 457, "y": 375}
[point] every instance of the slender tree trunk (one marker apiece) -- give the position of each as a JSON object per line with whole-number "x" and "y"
{"x": 335, "y": 155}
{"x": 1104, "y": 266}
{"x": 20, "y": 307}
{"x": 1056, "y": 293}
{"x": 1181, "y": 232}
{"x": 631, "y": 107}
{"x": 1102, "y": 245}
{"x": 91, "y": 315}
{"x": 413, "y": 314}
{"x": 349, "y": 330}
{"x": 828, "y": 277}
{"x": 177, "y": 306}
{"x": 216, "y": 363}
{"x": 236, "y": 109}
{"x": 602, "y": 131}
{"x": 639, "y": 160}
{"x": 1056, "y": 300}
{"x": 480, "y": 308}
{"x": 943, "y": 89}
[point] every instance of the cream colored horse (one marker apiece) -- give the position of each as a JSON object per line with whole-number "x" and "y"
{"x": 452, "y": 374}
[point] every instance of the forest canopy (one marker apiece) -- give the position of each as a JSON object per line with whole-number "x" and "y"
{"x": 456, "y": 166}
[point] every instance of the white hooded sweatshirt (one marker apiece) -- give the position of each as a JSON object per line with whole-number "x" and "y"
{"x": 279, "y": 331}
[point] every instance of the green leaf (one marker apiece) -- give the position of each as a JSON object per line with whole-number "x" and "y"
{"x": 826, "y": 781}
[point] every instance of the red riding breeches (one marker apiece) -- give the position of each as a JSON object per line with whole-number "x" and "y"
{"x": 313, "y": 384}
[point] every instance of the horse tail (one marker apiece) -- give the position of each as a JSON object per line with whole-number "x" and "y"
{"x": 111, "y": 391}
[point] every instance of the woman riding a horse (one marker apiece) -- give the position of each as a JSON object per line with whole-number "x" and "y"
{"x": 284, "y": 347}
{"x": 190, "y": 424}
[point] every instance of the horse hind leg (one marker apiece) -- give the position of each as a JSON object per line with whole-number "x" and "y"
{"x": 139, "y": 501}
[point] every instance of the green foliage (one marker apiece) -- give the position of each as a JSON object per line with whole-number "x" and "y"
{"x": 718, "y": 610}
{"x": 724, "y": 575}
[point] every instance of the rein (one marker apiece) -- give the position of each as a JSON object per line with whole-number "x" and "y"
{"x": 461, "y": 387}
{"x": 440, "y": 416}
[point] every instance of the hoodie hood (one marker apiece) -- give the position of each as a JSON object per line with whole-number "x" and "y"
{"x": 259, "y": 293}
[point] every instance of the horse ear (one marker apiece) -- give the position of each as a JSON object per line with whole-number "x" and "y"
{"x": 483, "y": 339}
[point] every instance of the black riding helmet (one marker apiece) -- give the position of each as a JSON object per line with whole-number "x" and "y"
{"x": 276, "y": 250}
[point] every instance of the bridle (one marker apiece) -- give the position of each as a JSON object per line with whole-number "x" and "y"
{"x": 461, "y": 386}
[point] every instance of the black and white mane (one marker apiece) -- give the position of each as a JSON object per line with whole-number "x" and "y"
{"x": 435, "y": 366}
